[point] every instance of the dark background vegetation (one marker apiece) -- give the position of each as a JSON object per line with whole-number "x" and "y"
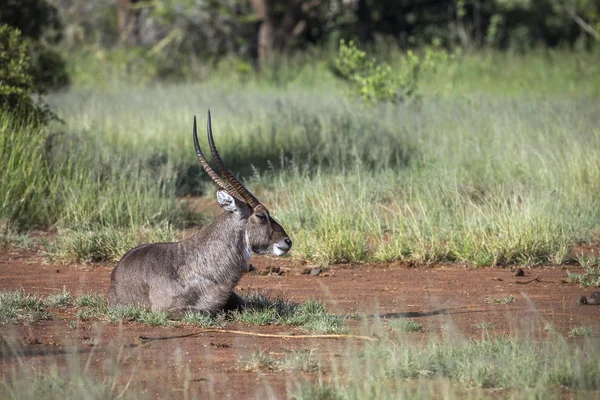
{"x": 171, "y": 37}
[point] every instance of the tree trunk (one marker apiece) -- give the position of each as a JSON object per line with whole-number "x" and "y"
{"x": 266, "y": 40}
{"x": 365, "y": 32}
{"x": 274, "y": 30}
{"x": 128, "y": 18}
{"x": 265, "y": 34}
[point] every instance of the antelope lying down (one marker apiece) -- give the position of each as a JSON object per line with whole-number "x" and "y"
{"x": 200, "y": 273}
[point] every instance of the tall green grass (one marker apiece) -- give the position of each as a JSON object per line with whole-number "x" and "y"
{"x": 23, "y": 176}
{"x": 74, "y": 184}
{"x": 470, "y": 173}
{"x": 480, "y": 179}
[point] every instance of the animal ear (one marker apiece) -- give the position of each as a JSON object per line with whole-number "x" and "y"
{"x": 227, "y": 201}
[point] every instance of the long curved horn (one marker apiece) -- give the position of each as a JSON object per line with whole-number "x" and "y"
{"x": 241, "y": 189}
{"x": 211, "y": 173}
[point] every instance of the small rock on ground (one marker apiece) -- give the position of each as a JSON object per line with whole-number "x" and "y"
{"x": 271, "y": 271}
{"x": 591, "y": 300}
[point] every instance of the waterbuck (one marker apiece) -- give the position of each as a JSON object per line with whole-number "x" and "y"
{"x": 200, "y": 273}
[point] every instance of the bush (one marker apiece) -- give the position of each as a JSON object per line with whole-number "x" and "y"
{"x": 39, "y": 24}
{"x": 17, "y": 83}
{"x": 377, "y": 82}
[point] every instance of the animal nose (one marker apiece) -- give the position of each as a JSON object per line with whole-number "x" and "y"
{"x": 288, "y": 241}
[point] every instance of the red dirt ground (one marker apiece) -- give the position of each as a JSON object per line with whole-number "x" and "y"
{"x": 210, "y": 363}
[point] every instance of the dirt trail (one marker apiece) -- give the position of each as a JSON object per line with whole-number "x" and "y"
{"x": 454, "y": 296}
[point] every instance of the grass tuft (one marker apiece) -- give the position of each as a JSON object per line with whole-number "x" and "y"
{"x": 578, "y": 331}
{"x": 310, "y": 315}
{"x": 261, "y": 361}
{"x": 590, "y": 279}
{"x": 484, "y": 325}
{"x": 501, "y": 300}
{"x": 407, "y": 325}
{"x": 588, "y": 261}
{"x": 296, "y": 360}
{"x": 318, "y": 392}
{"x": 59, "y": 300}
{"x": 16, "y": 306}
{"x": 95, "y": 306}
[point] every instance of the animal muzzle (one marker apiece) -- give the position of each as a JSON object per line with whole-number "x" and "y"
{"x": 282, "y": 247}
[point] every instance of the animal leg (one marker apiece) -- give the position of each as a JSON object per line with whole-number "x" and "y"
{"x": 235, "y": 302}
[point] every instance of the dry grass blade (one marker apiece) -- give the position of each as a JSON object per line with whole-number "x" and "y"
{"x": 145, "y": 339}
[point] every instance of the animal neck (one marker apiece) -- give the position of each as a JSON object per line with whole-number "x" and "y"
{"x": 222, "y": 249}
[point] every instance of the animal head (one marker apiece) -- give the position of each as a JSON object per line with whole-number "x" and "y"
{"x": 264, "y": 234}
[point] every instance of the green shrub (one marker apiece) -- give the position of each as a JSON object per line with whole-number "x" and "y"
{"x": 17, "y": 83}
{"x": 40, "y": 26}
{"x": 376, "y": 82}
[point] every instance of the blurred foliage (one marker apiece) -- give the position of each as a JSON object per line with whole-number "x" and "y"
{"x": 176, "y": 36}
{"x": 17, "y": 82}
{"x": 40, "y": 27}
{"x": 518, "y": 24}
{"x": 180, "y": 39}
{"x": 34, "y": 18}
{"x": 49, "y": 68}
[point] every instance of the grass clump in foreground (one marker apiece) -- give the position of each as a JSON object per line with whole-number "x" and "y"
{"x": 397, "y": 368}
{"x": 310, "y": 315}
{"x": 16, "y": 306}
{"x": 56, "y": 385}
{"x": 407, "y": 325}
{"x": 394, "y": 367}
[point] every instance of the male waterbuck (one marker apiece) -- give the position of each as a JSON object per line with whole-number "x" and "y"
{"x": 200, "y": 273}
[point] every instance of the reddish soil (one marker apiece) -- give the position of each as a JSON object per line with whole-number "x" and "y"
{"x": 209, "y": 363}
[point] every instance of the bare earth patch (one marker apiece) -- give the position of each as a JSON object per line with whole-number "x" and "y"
{"x": 212, "y": 362}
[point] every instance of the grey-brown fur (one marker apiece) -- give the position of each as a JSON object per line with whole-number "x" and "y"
{"x": 199, "y": 273}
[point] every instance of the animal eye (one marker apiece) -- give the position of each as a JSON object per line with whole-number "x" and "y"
{"x": 262, "y": 216}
